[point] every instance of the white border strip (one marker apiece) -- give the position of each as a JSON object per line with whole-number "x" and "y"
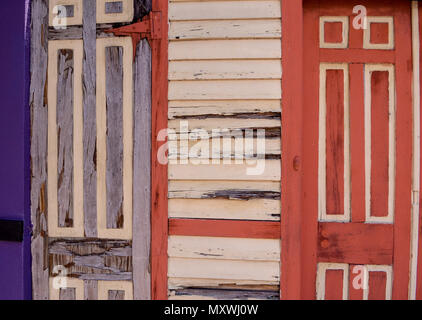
{"x": 101, "y": 114}
{"x": 369, "y": 68}
{"x": 125, "y": 16}
{"x": 57, "y": 283}
{"x": 69, "y": 21}
{"x": 367, "y": 34}
{"x": 78, "y": 204}
{"x": 322, "y": 188}
{"x": 416, "y": 151}
{"x": 389, "y": 280}
{"x": 320, "y": 282}
{"x": 345, "y": 32}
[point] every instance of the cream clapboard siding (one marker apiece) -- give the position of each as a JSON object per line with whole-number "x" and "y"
{"x": 224, "y": 73}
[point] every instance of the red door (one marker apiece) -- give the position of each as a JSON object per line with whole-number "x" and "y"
{"x": 357, "y": 150}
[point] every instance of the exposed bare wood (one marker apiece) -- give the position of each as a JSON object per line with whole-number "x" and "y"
{"x": 89, "y": 106}
{"x": 213, "y": 294}
{"x": 91, "y": 290}
{"x": 116, "y": 295}
{"x": 65, "y": 138}
{"x": 92, "y": 259}
{"x": 142, "y": 173}
{"x": 192, "y": 108}
{"x": 67, "y": 294}
{"x": 38, "y": 103}
{"x": 114, "y": 108}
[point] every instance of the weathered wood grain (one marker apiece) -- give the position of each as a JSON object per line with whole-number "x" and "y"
{"x": 91, "y": 290}
{"x": 89, "y": 107}
{"x": 70, "y": 33}
{"x": 142, "y": 173}
{"x": 181, "y": 283}
{"x": 67, "y": 294}
{"x": 64, "y": 113}
{"x": 192, "y": 108}
{"x": 116, "y": 295}
{"x": 113, "y": 7}
{"x": 192, "y": 189}
{"x": 225, "y": 29}
{"x": 92, "y": 259}
{"x": 224, "y": 248}
{"x": 215, "y": 294}
{"x": 114, "y": 108}
{"x": 38, "y": 103}
{"x": 256, "y": 209}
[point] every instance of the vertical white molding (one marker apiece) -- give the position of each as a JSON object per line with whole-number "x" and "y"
{"x": 322, "y": 158}
{"x": 321, "y": 273}
{"x": 78, "y": 215}
{"x": 388, "y": 270}
{"x": 416, "y": 152}
{"x": 369, "y": 68}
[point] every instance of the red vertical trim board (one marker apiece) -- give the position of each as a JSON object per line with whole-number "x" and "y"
{"x": 291, "y": 167}
{"x": 357, "y": 142}
{"x": 419, "y": 268}
{"x": 310, "y": 138}
{"x": 403, "y": 188}
{"x": 159, "y": 185}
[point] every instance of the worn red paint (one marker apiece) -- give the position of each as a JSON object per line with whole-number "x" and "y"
{"x": 291, "y": 172}
{"x": 225, "y": 228}
{"x": 159, "y": 172}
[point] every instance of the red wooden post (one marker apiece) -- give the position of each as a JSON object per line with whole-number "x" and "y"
{"x": 292, "y": 164}
{"x": 159, "y": 184}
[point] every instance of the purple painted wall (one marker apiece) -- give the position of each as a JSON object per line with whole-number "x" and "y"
{"x": 15, "y": 278}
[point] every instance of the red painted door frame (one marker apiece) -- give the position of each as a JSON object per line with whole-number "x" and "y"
{"x": 299, "y": 219}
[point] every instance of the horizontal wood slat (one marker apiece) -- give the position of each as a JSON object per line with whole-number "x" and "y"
{"x": 225, "y": 69}
{"x": 227, "y": 89}
{"x": 236, "y": 172}
{"x": 225, "y": 49}
{"x": 255, "y": 209}
{"x": 225, "y": 29}
{"x": 215, "y": 294}
{"x": 225, "y": 228}
{"x": 191, "y": 189}
{"x": 224, "y": 248}
{"x": 185, "y": 108}
{"x": 355, "y": 243}
{"x": 224, "y": 269}
{"x": 224, "y": 10}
